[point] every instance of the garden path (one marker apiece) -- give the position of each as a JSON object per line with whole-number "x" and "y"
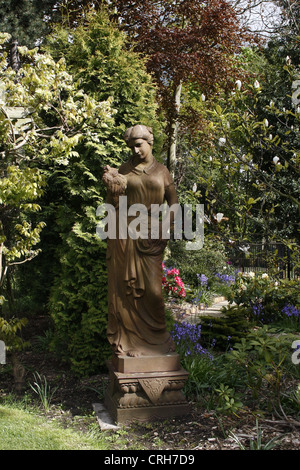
{"x": 191, "y": 314}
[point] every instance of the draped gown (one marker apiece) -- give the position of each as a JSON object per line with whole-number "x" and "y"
{"x": 136, "y": 315}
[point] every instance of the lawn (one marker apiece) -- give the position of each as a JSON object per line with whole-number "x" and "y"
{"x": 25, "y": 430}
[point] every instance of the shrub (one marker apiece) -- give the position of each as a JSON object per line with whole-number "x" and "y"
{"x": 264, "y": 361}
{"x": 9, "y": 333}
{"x": 208, "y": 261}
{"x": 106, "y": 69}
{"x": 267, "y": 300}
{"x": 173, "y": 286}
{"x": 222, "y": 332}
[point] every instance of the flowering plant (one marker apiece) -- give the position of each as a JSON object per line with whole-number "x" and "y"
{"x": 172, "y": 284}
{"x": 203, "y": 293}
{"x": 187, "y": 339}
{"x": 267, "y": 299}
{"x": 250, "y": 288}
{"x": 225, "y": 278}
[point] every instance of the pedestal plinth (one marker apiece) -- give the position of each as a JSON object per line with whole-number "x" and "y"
{"x": 146, "y": 388}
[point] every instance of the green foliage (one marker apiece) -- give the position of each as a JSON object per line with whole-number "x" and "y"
{"x": 98, "y": 57}
{"x": 257, "y": 444}
{"x": 264, "y": 297}
{"x": 231, "y": 161}
{"x": 264, "y": 357}
{"x": 41, "y": 387}
{"x": 61, "y": 115}
{"x": 228, "y": 402}
{"x": 105, "y": 69}
{"x": 26, "y": 20}
{"x": 201, "y": 378}
{"x": 211, "y": 259}
{"x": 9, "y": 333}
{"x": 249, "y": 288}
{"x": 257, "y": 368}
{"x": 78, "y": 306}
{"x": 224, "y": 331}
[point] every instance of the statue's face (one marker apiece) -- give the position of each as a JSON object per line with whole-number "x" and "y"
{"x": 140, "y": 149}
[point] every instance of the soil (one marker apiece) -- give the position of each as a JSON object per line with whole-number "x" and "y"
{"x": 199, "y": 430}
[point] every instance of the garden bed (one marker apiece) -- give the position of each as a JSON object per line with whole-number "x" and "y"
{"x": 199, "y": 430}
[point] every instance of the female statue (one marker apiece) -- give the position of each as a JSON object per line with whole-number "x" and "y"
{"x": 136, "y": 315}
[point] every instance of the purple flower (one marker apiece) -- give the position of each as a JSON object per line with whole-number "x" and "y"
{"x": 225, "y": 278}
{"x": 187, "y": 337}
{"x": 202, "y": 279}
{"x": 291, "y": 311}
{"x": 257, "y": 309}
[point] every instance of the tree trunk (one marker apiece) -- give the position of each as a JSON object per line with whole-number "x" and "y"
{"x": 174, "y": 130}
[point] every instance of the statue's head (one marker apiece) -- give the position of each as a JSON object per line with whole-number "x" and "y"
{"x": 139, "y": 132}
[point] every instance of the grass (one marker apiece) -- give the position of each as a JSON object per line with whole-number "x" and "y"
{"x": 25, "y": 430}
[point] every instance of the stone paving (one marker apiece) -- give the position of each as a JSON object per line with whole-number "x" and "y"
{"x": 191, "y": 314}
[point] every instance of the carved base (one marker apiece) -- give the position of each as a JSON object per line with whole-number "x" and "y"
{"x": 145, "y": 396}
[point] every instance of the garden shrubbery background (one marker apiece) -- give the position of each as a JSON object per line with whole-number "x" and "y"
{"x": 65, "y": 105}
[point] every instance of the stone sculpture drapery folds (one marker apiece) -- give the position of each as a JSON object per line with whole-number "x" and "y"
{"x": 136, "y": 314}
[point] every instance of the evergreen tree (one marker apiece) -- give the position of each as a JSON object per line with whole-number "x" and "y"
{"x": 97, "y": 57}
{"x": 28, "y": 21}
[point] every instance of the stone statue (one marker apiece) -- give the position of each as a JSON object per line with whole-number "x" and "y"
{"x": 136, "y": 315}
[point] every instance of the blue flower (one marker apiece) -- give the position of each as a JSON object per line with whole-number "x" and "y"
{"x": 225, "y": 278}
{"x": 257, "y": 309}
{"x": 187, "y": 337}
{"x": 202, "y": 279}
{"x": 291, "y": 311}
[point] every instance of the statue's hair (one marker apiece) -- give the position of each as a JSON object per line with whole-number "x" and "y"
{"x": 139, "y": 132}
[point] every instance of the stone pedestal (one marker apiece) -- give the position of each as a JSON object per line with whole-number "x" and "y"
{"x": 145, "y": 388}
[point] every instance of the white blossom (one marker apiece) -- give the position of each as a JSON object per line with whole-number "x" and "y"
{"x": 266, "y": 122}
{"x": 222, "y": 141}
{"x": 194, "y": 187}
{"x": 245, "y": 249}
{"x": 203, "y": 98}
{"x": 256, "y": 84}
{"x": 276, "y": 160}
{"x": 238, "y": 84}
{"x": 219, "y": 216}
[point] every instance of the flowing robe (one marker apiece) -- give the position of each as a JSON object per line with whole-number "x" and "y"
{"x": 136, "y": 315}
